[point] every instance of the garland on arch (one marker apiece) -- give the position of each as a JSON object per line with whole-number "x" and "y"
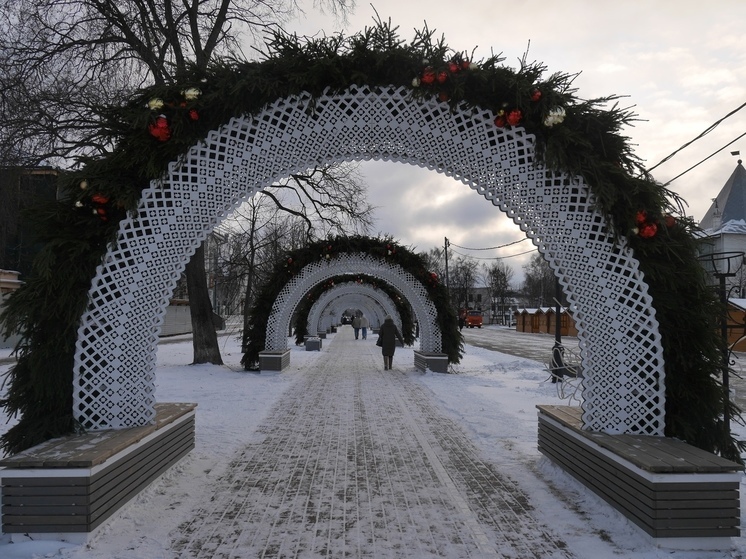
{"x": 403, "y": 308}
{"x": 161, "y": 123}
{"x": 383, "y": 248}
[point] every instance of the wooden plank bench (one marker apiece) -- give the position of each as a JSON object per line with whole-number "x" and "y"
{"x": 65, "y": 488}
{"x": 680, "y": 495}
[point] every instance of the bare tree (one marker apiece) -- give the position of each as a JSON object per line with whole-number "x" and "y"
{"x": 498, "y": 277}
{"x": 538, "y": 286}
{"x": 462, "y": 277}
{"x": 62, "y": 60}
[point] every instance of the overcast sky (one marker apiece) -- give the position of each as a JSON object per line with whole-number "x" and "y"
{"x": 682, "y": 64}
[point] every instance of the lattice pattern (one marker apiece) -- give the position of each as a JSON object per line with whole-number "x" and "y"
{"x": 374, "y": 303}
{"x": 621, "y": 351}
{"x": 354, "y": 263}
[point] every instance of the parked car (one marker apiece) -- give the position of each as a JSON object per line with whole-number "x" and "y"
{"x": 474, "y": 318}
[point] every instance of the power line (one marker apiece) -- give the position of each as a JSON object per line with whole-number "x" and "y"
{"x": 493, "y": 257}
{"x": 706, "y": 158}
{"x": 490, "y": 248}
{"x": 704, "y": 133}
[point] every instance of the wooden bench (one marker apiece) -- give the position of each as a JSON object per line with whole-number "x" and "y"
{"x": 681, "y": 496}
{"x": 65, "y": 488}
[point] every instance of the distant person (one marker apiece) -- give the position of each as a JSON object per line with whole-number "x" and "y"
{"x": 387, "y": 336}
{"x": 356, "y": 325}
{"x": 461, "y": 319}
{"x": 364, "y": 323}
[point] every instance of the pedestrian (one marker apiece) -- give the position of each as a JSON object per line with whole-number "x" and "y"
{"x": 364, "y": 323}
{"x": 356, "y": 325}
{"x": 387, "y": 336}
{"x": 461, "y": 319}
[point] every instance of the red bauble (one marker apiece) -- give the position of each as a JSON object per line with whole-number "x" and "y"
{"x": 442, "y": 77}
{"x": 465, "y": 64}
{"x": 443, "y": 96}
{"x": 99, "y": 199}
{"x": 454, "y": 67}
{"x": 428, "y": 76}
{"x": 193, "y": 114}
{"x": 500, "y": 121}
{"x": 641, "y": 217}
{"x": 669, "y": 220}
{"x": 535, "y": 95}
{"x": 160, "y": 129}
{"x": 648, "y": 230}
{"x": 514, "y": 117}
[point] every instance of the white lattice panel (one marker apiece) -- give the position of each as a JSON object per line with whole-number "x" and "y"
{"x": 373, "y": 302}
{"x": 353, "y": 263}
{"x": 621, "y": 351}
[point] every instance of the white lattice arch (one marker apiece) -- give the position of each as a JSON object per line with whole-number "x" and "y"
{"x": 352, "y": 295}
{"x": 349, "y": 264}
{"x": 622, "y": 361}
{"x": 373, "y": 312}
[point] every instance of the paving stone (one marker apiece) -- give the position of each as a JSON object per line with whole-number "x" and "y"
{"x": 356, "y": 461}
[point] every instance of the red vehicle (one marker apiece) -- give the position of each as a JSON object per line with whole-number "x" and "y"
{"x": 474, "y": 319}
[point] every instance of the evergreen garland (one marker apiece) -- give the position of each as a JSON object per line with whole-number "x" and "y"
{"x": 383, "y": 248}
{"x": 580, "y": 137}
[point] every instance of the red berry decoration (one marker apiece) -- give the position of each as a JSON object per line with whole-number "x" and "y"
{"x": 536, "y": 95}
{"x": 428, "y": 76}
{"x": 514, "y": 117}
{"x": 501, "y": 121}
{"x": 641, "y": 217}
{"x": 193, "y": 114}
{"x": 99, "y": 199}
{"x": 442, "y": 77}
{"x": 648, "y": 230}
{"x": 160, "y": 129}
{"x": 443, "y": 97}
{"x": 453, "y": 67}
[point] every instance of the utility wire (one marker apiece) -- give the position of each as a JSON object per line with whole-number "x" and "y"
{"x": 705, "y": 159}
{"x": 704, "y": 133}
{"x": 494, "y": 257}
{"x": 489, "y": 248}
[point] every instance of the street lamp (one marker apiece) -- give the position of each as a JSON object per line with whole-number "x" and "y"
{"x": 724, "y": 265}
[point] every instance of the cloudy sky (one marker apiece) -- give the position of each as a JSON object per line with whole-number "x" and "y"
{"x": 681, "y": 63}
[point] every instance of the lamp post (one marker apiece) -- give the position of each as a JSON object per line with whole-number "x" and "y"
{"x": 724, "y": 265}
{"x": 558, "y": 365}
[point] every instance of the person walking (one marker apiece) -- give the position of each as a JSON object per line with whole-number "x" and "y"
{"x": 387, "y": 336}
{"x": 356, "y": 325}
{"x": 364, "y": 323}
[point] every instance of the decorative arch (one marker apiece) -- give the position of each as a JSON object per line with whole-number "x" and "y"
{"x": 354, "y": 294}
{"x": 623, "y": 389}
{"x": 353, "y": 263}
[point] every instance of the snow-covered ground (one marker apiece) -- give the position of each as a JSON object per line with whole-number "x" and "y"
{"x": 493, "y": 397}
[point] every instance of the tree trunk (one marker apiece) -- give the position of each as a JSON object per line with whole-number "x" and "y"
{"x": 204, "y": 336}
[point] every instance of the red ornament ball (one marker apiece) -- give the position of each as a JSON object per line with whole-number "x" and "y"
{"x": 465, "y": 64}
{"x": 641, "y": 217}
{"x": 160, "y": 129}
{"x": 669, "y": 220}
{"x": 454, "y": 67}
{"x": 501, "y": 121}
{"x": 193, "y": 114}
{"x": 99, "y": 199}
{"x": 536, "y": 95}
{"x": 514, "y": 117}
{"x": 443, "y": 97}
{"x": 648, "y": 230}
{"x": 442, "y": 77}
{"x": 428, "y": 76}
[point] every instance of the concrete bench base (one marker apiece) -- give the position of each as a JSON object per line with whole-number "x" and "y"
{"x": 66, "y": 488}
{"x": 313, "y": 344}
{"x": 681, "y": 496}
{"x": 436, "y": 362}
{"x": 274, "y": 360}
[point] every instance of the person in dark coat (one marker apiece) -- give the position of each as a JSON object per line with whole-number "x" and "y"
{"x": 387, "y": 336}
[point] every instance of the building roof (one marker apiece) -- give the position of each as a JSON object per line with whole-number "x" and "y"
{"x": 728, "y": 210}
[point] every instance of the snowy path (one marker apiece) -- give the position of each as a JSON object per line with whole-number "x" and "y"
{"x": 359, "y": 462}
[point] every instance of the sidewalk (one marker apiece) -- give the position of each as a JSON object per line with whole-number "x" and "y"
{"x": 359, "y": 462}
